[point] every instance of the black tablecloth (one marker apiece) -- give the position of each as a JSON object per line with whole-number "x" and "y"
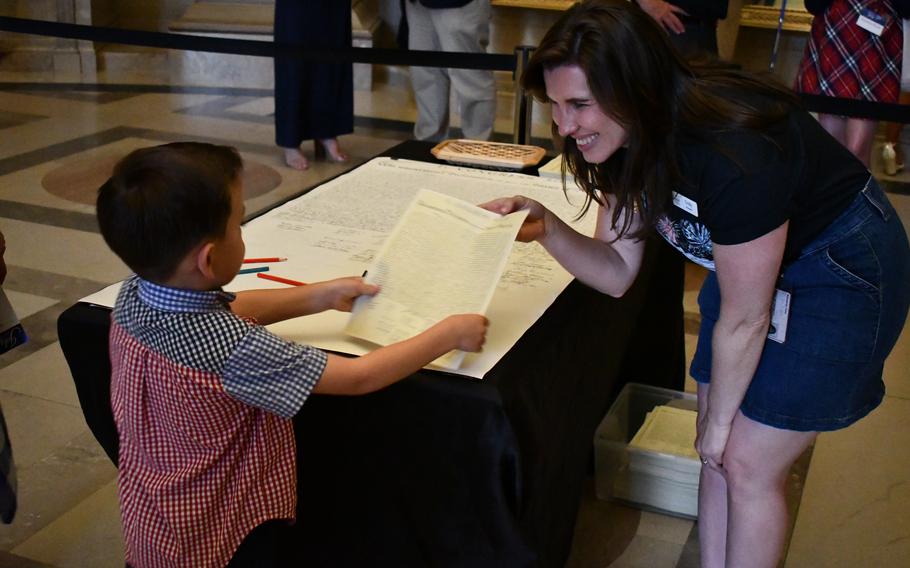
{"x": 440, "y": 470}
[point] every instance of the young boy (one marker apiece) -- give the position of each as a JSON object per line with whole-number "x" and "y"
{"x": 202, "y": 394}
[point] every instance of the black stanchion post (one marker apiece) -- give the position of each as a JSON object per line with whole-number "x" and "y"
{"x": 523, "y": 102}
{"x": 780, "y": 28}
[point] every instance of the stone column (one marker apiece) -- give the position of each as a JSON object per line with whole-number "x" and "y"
{"x": 68, "y": 58}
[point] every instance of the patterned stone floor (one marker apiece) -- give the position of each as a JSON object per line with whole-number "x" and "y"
{"x": 55, "y": 143}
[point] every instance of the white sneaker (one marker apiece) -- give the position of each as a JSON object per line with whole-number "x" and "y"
{"x": 889, "y": 159}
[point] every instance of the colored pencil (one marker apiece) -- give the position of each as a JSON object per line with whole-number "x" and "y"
{"x": 274, "y": 278}
{"x": 264, "y": 259}
{"x": 252, "y": 270}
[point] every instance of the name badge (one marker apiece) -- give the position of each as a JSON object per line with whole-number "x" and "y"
{"x": 685, "y": 204}
{"x": 871, "y": 21}
{"x": 780, "y": 315}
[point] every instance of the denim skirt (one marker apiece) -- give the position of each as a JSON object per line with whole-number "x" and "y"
{"x": 850, "y": 291}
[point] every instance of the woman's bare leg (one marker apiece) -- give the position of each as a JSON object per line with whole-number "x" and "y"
{"x": 757, "y": 462}
{"x": 712, "y": 505}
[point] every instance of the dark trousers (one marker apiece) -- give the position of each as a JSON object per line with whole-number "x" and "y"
{"x": 265, "y": 547}
{"x": 699, "y": 39}
{"x": 312, "y": 100}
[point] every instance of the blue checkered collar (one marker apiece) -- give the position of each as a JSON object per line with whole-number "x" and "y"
{"x": 182, "y": 300}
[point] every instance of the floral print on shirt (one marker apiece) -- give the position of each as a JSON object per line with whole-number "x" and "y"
{"x": 691, "y": 239}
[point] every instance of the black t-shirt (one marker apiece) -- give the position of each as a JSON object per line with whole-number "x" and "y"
{"x": 745, "y": 185}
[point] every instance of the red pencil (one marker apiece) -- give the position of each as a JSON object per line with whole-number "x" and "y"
{"x": 268, "y": 276}
{"x": 264, "y": 259}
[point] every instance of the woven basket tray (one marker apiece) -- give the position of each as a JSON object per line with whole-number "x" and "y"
{"x": 495, "y": 155}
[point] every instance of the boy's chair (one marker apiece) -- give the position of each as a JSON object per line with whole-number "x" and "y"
{"x": 86, "y": 350}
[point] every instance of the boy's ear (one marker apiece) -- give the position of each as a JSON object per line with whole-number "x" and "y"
{"x": 204, "y": 260}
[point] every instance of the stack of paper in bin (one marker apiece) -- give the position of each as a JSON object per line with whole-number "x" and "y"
{"x": 663, "y": 465}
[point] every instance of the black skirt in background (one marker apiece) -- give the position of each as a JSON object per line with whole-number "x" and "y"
{"x": 312, "y": 100}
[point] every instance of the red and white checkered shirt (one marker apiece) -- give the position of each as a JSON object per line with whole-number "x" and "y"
{"x": 202, "y": 400}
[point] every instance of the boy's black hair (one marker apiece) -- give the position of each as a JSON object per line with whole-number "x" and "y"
{"x": 164, "y": 200}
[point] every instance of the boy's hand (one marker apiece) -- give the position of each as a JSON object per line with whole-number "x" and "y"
{"x": 341, "y": 292}
{"x": 468, "y": 330}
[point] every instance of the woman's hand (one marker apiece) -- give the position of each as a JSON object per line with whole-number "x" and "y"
{"x": 534, "y": 226}
{"x": 711, "y": 440}
{"x": 340, "y": 293}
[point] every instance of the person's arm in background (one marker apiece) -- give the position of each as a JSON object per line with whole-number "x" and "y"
{"x": 747, "y": 274}
{"x": 665, "y": 14}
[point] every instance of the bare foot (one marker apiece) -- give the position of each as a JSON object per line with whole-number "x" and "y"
{"x": 294, "y": 158}
{"x": 328, "y": 149}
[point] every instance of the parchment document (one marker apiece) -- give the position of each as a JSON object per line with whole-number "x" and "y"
{"x": 445, "y": 256}
{"x": 338, "y": 229}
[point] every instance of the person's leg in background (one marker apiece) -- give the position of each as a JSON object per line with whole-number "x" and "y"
{"x": 331, "y": 110}
{"x": 856, "y": 134}
{"x": 312, "y": 100}
{"x": 290, "y": 95}
{"x": 467, "y": 29}
{"x": 836, "y": 126}
{"x": 431, "y": 84}
{"x": 700, "y": 38}
{"x": 892, "y": 154}
{"x": 860, "y": 134}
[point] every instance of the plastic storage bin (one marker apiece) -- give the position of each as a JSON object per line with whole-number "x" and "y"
{"x": 662, "y": 482}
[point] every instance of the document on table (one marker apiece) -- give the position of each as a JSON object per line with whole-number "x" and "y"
{"x": 337, "y": 229}
{"x": 444, "y": 257}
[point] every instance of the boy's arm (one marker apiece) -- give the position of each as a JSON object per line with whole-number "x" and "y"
{"x": 270, "y": 306}
{"x": 392, "y": 363}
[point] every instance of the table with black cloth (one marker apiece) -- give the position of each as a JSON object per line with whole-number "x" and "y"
{"x": 443, "y": 470}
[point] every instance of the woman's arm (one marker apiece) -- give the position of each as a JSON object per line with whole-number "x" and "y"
{"x": 603, "y": 262}
{"x": 270, "y": 306}
{"x": 747, "y": 274}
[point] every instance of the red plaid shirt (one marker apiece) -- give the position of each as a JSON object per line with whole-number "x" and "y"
{"x": 844, "y": 60}
{"x": 202, "y": 401}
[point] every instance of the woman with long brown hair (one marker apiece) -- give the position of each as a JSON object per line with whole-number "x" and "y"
{"x": 734, "y": 174}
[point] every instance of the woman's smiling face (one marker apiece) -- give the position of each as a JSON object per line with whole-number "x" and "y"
{"x": 578, "y": 115}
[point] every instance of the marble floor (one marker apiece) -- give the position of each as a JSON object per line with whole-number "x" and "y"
{"x": 55, "y": 141}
